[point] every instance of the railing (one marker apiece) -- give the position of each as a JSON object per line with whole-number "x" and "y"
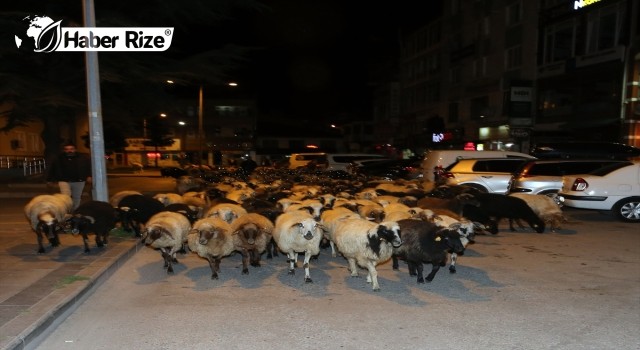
{"x": 29, "y": 165}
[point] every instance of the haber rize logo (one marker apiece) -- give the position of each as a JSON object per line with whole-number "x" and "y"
{"x": 48, "y": 36}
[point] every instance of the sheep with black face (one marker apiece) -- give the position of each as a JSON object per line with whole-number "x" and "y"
{"x": 95, "y": 217}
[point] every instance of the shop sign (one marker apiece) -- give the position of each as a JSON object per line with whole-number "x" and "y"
{"x": 519, "y": 132}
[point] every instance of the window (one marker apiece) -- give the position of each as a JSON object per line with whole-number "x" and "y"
{"x": 453, "y": 112}
{"x": 514, "y": 13}
{"x": 480, "y": 67}
{"x": 513, "y": 57}
{"x": 559, "y": 42}
{"x": 603, "y": 31}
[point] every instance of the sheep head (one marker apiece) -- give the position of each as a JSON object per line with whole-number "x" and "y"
{"x": 389, "y": 231}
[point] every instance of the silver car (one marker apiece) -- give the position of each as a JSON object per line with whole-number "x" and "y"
{"x": 545, "y": 176}
{"x": 484, "y": 174}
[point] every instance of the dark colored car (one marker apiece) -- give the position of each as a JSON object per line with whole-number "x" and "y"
{"x": 585, "y": 150}
{"x": 389, "y": 168}
{"x": 172, "y": 171}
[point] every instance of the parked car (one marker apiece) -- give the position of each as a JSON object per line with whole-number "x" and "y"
{"x": 407, "y": 169}
{"x": 435, "y": 161}
{"x": 172, "y": 171}
{"x": 538, "y": 176}
{"x": 585, "y": 150}
{"x": 615, "y": 187}
{"x": 484, "y": 174}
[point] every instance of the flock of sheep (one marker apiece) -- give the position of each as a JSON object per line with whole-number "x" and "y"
{"x": 271, "y": 211}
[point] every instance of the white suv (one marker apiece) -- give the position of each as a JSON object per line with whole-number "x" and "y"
{"x": 615, "y": 187}
{"x": 485, "y": 174}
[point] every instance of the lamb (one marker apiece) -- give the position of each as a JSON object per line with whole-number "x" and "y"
{"x": 251, "y": 234}
{"x": 367, "y": 244}
{"x": 295, "y": 232}
{"x": 500, "y": 206}
{"x": 226, "y": 211}
{"x": 116, "y": 198}
{"x": 426, "y": 242}
{"x": 46, "y": 214}
{"x": 464, "y": 227}
{"x": 136, "y": 209}
{"x": 545, "y": 207}
{"x": 211, "y": 239}
{"x": 330, "y": 219}
{"x": 166, "y": 231}
{"x": 95, "y": 217}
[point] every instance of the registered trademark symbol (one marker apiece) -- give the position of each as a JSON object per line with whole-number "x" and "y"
{"x": 167, "y": 32}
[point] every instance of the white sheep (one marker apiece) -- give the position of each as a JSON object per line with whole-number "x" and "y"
{"x": 251, "y": 234}
{"x": 464, "y": 227}
{"x": 46, "y": 214}
{"x": 330, "y": 218}
{"x": 167, "y": 231}
{"x": 296, "y": 232}
{"x": 545, "y": 207}
{"x": 168, "y": 198}
{"x": 312, "y": 206}
{"x": 366, "y": 244}
{"x": 226, "y": 211}
{"x": 211, "y": 239}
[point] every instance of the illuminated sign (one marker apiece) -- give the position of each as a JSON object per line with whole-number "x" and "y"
{"x": 578, "y": 4}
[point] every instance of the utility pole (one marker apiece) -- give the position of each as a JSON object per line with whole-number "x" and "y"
{"x": 96, "y": 135}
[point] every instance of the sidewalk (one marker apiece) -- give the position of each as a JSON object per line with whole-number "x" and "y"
{"x": 40, "y": 290}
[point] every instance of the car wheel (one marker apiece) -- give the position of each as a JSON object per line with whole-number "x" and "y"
{"x": 628, "y": 209}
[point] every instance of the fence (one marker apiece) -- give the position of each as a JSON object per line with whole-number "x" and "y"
{"x": 28, "y": 165}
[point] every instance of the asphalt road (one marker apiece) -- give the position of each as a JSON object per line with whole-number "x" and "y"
{"x": 578, "y": 288}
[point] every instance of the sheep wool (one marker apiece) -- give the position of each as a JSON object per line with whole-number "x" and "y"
{"x": 167, "y": 231}
{"x": 296, "y": 232}
{"x": 251, "y": 234}
{"x": 211, "y": 239}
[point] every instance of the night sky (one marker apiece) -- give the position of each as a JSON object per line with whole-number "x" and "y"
{"x": 317, "y": 58}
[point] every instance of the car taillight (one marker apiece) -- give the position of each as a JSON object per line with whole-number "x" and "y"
{"x": 579, "y": 184}
{"x": 448, "y": 175}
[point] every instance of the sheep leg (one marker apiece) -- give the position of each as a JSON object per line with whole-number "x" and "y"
{"x": 452, "y": 267}
{"x": 214, "y": 264}
{"x": 416, "y": 268}
{"x": 292, "y": 256}
{"x": 372, "y": 277}
{"x": 394, "y": 263}
{"x": 333, "y": 249}
{"x": 255, "y": 258}
{"x": 353, "y": 267}
{"x": 168, "y": 260}
{"x": 40, "y": 239}
{"x": 85, "y": 240}
{"x": 307, "y": 276}
{"x": 245, "y": 262}
{"x": 434, "y": 270}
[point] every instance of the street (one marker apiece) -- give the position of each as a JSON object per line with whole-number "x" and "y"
{"x": 578, "y": 288}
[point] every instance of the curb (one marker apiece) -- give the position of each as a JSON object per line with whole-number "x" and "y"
{"x": 58, "y": 305}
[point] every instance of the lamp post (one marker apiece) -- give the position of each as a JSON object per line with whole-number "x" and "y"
{"x": 200, "y": 123}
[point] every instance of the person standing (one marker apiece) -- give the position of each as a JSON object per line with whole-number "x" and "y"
{"x": 72, "y": 171}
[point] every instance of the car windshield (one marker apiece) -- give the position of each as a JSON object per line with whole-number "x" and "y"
{"x": 610, "y": 168}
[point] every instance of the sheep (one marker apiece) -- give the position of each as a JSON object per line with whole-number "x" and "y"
{"x": 136, "y": 209}
{"x": 500, "y": 206}
{"x": 46, "y": 214}
{"x": 251, "y": 234}
{"x": 545, "y": 207}
{"x": 329, "y": 220}
{"x": 166, "y": 231}
{"x": 425, "y": 242}
{"x": 168, "y": 198}
{"x": 373, "y": 213}
{"x": 95, "y": 217}
{"x": 313, "y": 206}
{"x": 190, "y": 212}
{"x": 367, "y": 244}
{"x": 211, "y": 239}
{"x": 464, "y": 227}
{"x": 116, "y": 198}
{"x": 226, "y": 211}
{"x": 295, "y": 232}
{"x": 455, "y": 204}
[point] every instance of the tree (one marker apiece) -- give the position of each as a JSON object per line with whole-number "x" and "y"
{"x": 157, "y": 132}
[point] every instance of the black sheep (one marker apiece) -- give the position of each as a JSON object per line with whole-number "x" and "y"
{"x": 425, "y": 242}
{"x": 94, "y": 217}
{"x": 137, "y": 209}
{"x": 190, "y": 212}
{"x": 499, "y": 206}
